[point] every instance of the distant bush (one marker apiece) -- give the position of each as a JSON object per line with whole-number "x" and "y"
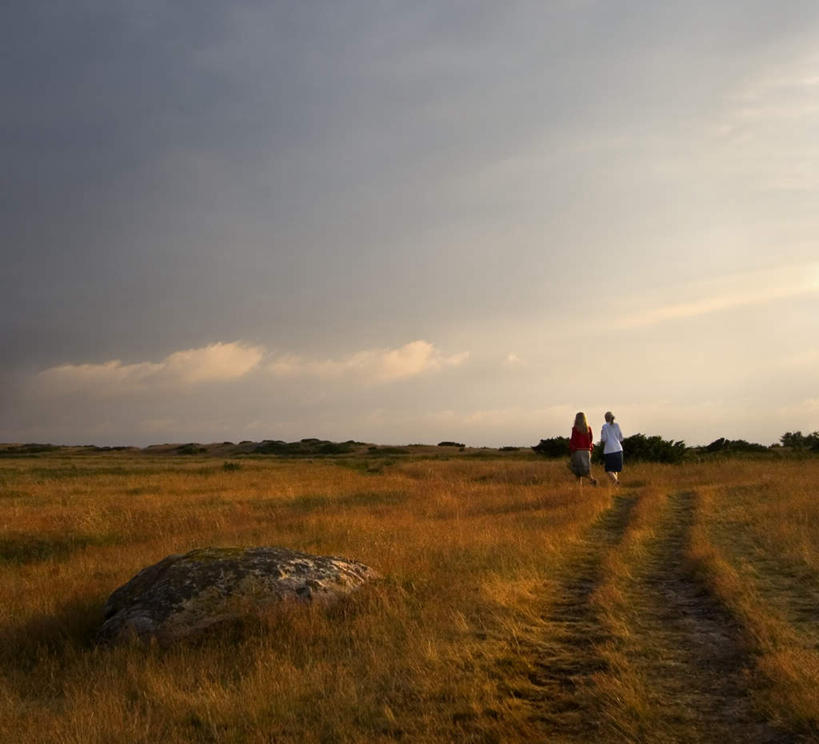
{"x": 29, "y": 449}
{"x": 387, "y": 450}
{"x": 334, "y": 448}
{"x": 733, "y": 445}
{"x": 798, "y": 441}
{"x": 190, "y": 449}
{"x": 553, "y": 447}
{"x": 451, "y": 444}
{"x": 231, "y": 466}
{"x": 509, "y": 448}
{"x": 305, "y": 447}
{"x": 639, "y": 447}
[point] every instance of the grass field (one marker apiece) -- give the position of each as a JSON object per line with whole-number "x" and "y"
{"x": 683, "y": 607}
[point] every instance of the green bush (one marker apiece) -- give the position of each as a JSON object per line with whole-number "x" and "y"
{"x": 639, "y": 447}
{"x": 190, "y": 449}
{"x": 733, "y": 445}
{"x": 304, "y": 448}
{"x": 553, "y": 447}
{"x": 796, "y": 440}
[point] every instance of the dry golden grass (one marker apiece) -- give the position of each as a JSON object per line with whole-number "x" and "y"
{"x": 514, "y": 605}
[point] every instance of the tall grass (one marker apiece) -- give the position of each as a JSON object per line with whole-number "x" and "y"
{"x": 472, "y": 554}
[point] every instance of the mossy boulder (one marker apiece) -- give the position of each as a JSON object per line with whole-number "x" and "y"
{"x": 185, "y": 595}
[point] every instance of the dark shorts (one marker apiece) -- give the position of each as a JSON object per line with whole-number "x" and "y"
{"x": 614, "y": 462}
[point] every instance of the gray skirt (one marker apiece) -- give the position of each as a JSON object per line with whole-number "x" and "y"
{"x": 581, "y": 462}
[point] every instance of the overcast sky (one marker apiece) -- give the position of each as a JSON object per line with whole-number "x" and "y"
{"x": 406, "y": 222}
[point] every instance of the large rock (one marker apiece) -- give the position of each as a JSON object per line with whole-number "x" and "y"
{"x": 183, "y": 595}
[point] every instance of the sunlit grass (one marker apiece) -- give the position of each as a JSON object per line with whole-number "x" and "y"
{"x": 476, "y": 557}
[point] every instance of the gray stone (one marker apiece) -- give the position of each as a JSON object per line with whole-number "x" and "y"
{"x": 183, "y": 595}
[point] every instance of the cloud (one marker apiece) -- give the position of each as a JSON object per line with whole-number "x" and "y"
{"x": 374, "y": 365}
{"x": 767, "y": 128}
{"x": 726, "y": 293}
{"x": 213, "y": 363}
{"x": 802, "y": 415}
{"x": 223, "y": 362}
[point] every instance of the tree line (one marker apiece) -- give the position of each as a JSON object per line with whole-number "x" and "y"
{"x": 639, "y": 447}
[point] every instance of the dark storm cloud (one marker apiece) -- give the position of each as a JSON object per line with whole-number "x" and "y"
{"x": 157, "y": 155}
{"x": 327, "y": 178}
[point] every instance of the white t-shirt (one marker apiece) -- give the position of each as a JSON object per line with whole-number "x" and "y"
{"x": 611, "y": 436}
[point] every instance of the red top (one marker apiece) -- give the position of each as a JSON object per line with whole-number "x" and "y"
{"x": 580, "y": 441}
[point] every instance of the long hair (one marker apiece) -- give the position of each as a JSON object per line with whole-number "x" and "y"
{"x": 580, "y": 423}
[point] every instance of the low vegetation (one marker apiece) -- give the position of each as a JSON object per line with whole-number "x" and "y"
{"x": 515, "y": 605}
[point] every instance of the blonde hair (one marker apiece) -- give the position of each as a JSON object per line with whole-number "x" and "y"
{"x": 580, "y": 422}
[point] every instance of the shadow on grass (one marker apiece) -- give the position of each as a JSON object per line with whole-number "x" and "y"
{"x": 71, "y": 626}
{"x": 314, "y": 502}
{"x": 507, "y": 508}
{"x": 22, "y": 548}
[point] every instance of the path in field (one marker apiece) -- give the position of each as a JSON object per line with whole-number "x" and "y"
{"x": 682, "y": 646}
{"x": 565, "y": 661}
{"x": 688, "y": 650}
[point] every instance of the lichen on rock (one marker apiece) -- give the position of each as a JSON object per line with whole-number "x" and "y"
{"x": 183, "y": 595}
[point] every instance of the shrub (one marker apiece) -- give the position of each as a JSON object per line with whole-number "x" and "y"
{"x": 553, "y": 447}
{"x": 639, "y": 447}
{"x": 305, "y": 447}
{"x": 190, "y": 449}
{"x": 734, "y": 445}
{"x": 798, "y": 441}
{"x": 387, "y": 450}
{"x": 451, "y": 444}
{"x": 334, "y": 448}
{"x": 29, "y": 449}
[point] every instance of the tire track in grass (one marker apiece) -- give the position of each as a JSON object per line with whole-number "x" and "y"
{"x": 685, "y": 647}
{"x": 776, "y": 593}
{"x": 789, "y": 587}
{"x": 564, "y": 662}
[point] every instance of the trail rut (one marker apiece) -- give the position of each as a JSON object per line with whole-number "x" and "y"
{"x": 688, "y": 649}
{"x": 565, "y": 662}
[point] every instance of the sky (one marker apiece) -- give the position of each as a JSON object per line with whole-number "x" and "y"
{"x": 408, "y": 222}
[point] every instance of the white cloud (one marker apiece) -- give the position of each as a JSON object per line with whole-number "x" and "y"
{"x": 767, "y": 129}
{"x": 805, "y": 359}
{"x": 802, "y": 415}
{"x": 213, "y": 363}
{"x": 379, "y": 365}
{"x": 726, "y": 293}
{"x": 221, "y": 362}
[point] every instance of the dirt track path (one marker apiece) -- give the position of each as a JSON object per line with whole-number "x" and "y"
{"x": 687, "y": 649}
{"x": 566, "y": 661}
{"x": 681, "y": 646}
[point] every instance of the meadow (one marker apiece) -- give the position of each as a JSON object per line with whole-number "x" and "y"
{"x": 514, "y": 605}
